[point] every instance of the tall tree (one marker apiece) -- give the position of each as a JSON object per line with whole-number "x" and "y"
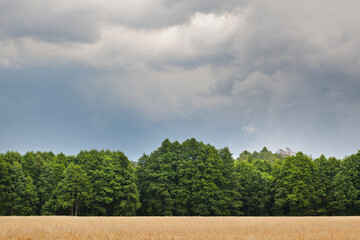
{"x": 294, "y": 186}
{"x": 74, "y": 189}
{"x": 188, "y": 179}
{"x": 229, "y": 185}
{"x": 347, "y": 186}
{"x": 253, "y": 188}
{"x": 49, "y": 178}
{"x": 113, "y": 181}
{"x": 157, "y": 173}
{"x": 32, "y": 164}
{"x": 23, "y": 193}
{"x": 5, "y": 186}
{"x": 126, "y": 194}
{"x": 327, "y": 169}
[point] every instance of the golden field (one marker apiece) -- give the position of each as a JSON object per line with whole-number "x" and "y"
{"x": 58, "y": 227}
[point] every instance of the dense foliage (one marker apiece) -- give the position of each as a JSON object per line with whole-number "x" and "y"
{"x": 179, "y": 179}
{"x": 92, "y": 183}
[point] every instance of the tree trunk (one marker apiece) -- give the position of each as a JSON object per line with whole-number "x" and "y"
{"x": 76, "y": 207}
{"x": 77, "y": 204}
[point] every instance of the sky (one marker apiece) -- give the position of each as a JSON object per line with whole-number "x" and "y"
{"x": 125, "y": 75}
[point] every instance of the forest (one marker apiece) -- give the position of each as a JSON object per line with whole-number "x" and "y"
{"x": 179, "y": 179}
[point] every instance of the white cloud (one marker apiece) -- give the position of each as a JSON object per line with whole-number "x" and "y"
{"x": 248, "y": 130}
{"x": 4, "y": 63}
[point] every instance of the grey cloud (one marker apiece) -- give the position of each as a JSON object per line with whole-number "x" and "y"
{"x": 79, "y": 21}
{"x": 298, "y": 75}
{"x": 159, "y": 96}
{"x": 205, "y": 39}
{"x": 240, "y": 73}
{"x": 49, "y": 21}
{"x": 293, "y": 67}
{"x": 165, "y": 13}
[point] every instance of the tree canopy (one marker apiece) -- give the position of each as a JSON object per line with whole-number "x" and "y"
{"x": 179, "y": 179}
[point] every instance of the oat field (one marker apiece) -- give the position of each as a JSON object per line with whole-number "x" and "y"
{"x": 58, "y": 227}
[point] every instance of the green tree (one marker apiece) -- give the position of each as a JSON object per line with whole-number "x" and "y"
{"x": 23, "y": 194}
{"x": 126, "y": 194}
{"x": 253, "y": 188}
{"x": 245, "y": 156}
{"x": 49, "y": 179}
{"x": 207, "y": 195}
{"x": 229, "y": 185}
{"x": 324, "y": 186}
{"x": 264, "y": 158}
{"x": 113, "y": 181}
{"x": 74, "y": 189}
{"x": 294, "y": 186}
{"x": 347, "y": 186}
{"x": 32, "y": 164}
{"x": 262, "y": 165}
{"x": 194, "y": 183}
{"x": 5, "y": 186}
{"x": 187, "y": 179}
{"x": 12, "y": 157}
{"x": 157, "y": 173}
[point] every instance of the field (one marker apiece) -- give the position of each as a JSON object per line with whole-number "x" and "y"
{"x": 179, "y": 228}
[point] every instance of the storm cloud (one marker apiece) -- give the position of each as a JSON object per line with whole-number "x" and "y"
{"x": 245, "y": 74}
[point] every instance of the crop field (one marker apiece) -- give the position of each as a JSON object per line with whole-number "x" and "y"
{"x": 179, "y": 227}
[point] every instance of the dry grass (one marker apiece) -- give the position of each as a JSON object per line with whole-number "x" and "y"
{"x": 180, "y": 228}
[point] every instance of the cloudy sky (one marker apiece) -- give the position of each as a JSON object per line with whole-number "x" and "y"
{"x": 125, "y": 75}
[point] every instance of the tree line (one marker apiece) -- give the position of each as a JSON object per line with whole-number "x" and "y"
{"x": 179, "y": 179}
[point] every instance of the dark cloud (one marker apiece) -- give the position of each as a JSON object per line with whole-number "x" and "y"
{"x": 246, "y": 74}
